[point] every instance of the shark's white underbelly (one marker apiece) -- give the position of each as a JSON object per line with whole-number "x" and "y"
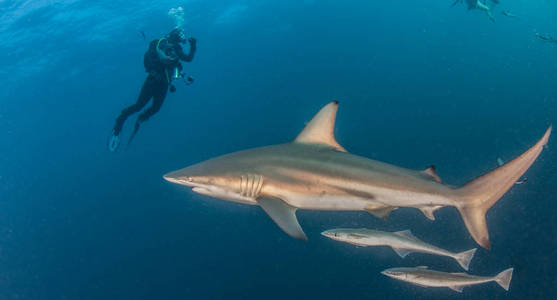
{"x": 351, "y": 201}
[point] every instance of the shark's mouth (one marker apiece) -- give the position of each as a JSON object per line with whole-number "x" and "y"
{"x": 201, "y": 190}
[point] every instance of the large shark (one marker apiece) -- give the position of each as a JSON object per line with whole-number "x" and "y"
{"x": 315, "y": 172}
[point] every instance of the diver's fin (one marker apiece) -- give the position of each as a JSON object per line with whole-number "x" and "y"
{"x": 381, "y": 212}
{"x": 320, "y": 130}
{"x": 431, "y": 173}
{"x": 429, "y": 211}
{"x": 284, "y": 216}
{"x": 457, "y": 288}
{"x": 402, "y": 252}
{"x": 113, "y": 143}
{"x": 478, "y": 195}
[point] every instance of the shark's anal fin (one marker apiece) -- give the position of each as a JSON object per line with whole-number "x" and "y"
{"x": 429, "y": 211}
{"x": 402, "y": 252}
{"x": 381, "y": 212}
{"x": 320, "y": 130}
{"x": 431, "y": 173}
{"x": 284, "y": 216}
{"x": 457, "y": 288}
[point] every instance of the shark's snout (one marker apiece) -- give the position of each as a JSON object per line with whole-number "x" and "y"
{"x": 168, "y": 177}
{"x": 327, "y": 233}
{"x": 179, "y": 178}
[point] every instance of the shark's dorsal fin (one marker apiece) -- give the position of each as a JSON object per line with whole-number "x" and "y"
{"x": 431, "y": 173}
{"x": 406, "y": 233}
{"x": 284, "y": 216}
{"x": 320, "y": 130}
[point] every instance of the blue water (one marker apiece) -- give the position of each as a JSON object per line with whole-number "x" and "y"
{"x": 418, "y": 82}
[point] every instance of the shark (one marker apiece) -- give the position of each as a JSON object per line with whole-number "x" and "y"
{"x": 314, "y": 172}
{"x": 422, "y": 276}
{"x": 402, "y": 242}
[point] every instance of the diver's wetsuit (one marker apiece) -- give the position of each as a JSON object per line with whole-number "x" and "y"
{"x": 157, "y": 82}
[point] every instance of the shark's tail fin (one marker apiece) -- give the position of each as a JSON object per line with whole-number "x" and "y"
{"x": 478, "y": 195}
{"x": 504, "y": 278}
{"x": 464, "y": 258}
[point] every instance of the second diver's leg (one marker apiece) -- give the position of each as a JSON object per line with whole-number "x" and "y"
{"x": 145, "y": 94}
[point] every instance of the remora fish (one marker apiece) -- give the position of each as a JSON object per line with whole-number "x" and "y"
{"x": 456, "y": 281}
{"x": 315, "y": 172}
{"x": 402, "y": 242}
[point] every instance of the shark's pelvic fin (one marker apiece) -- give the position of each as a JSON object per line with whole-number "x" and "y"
{"x": 320, "y": 130}
{"x": 284, "y": 216}
{"x": 477, "y": 196}
{"x": 431, "y": 173}
{"x": 381, "y": 212}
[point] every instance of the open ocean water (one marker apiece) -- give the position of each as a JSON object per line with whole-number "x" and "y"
{"x": 419, "y": 83}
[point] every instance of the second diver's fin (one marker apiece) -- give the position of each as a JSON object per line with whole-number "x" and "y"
{"x": 284, "y": 216}
{"x": 113, "y": 142}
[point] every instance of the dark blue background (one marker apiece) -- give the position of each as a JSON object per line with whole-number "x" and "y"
{"x": 419, "y": 83}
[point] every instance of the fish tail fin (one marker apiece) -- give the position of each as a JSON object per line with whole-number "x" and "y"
{"x": 478, "y": 195}
{"x": 504, "y": 278}
{"x": 464, "y": 258}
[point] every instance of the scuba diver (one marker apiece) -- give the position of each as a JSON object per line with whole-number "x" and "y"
{"x": 162, "y": 62}
{"x": 546, "y": 38}
{"x": 478, "y": 4}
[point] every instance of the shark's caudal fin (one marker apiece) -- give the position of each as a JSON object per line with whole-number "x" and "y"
{"x": 504, "y": 278}
{"x": 464, "y": 258}
{"x": 477, "y": 196}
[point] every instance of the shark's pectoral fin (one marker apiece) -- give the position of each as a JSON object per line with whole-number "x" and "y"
{"x": 429, "y": 210}
{"x": 402, "y": 252}
{"x": 284, "y": 216}
{"x": 320, "y": 130}
{"x": 381, "y": 212}
{"x": 457, "y": 288}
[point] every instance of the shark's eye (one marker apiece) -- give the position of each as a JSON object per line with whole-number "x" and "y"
{"x": 189, "y": 179}
{"x": 336, "y": 234}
